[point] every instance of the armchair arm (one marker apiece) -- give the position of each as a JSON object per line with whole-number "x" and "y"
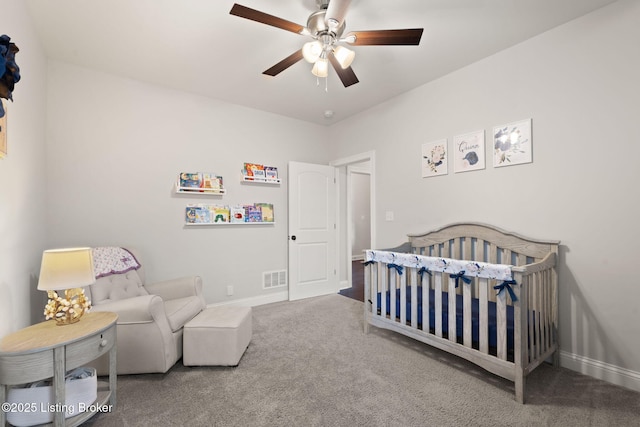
{"x": 176, "y": 288}
{"x": 142, "y": 309}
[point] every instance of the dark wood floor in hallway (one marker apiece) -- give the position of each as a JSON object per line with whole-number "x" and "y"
{"x": 357, "y": 282}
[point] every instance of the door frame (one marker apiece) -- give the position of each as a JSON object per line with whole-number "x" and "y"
{"x": 342, "y": 253}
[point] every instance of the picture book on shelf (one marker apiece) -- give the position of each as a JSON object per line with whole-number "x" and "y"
{"x": 252, "y": 213}
{"x": 198, "y": 214}
{"x": 266, "y": 211}
{"x": 236, "y": 214}
{"x": 254, "y": 171}
{"x": 211, "y": 181}
{"x": 271, "y": 173}
{"x": 220, "y": 213}
{"x": 190, "y": 180}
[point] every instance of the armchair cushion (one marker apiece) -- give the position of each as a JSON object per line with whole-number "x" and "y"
{"x": 117, "y": 287}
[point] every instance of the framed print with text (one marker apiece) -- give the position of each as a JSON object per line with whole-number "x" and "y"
{"x": 468, "y": 151}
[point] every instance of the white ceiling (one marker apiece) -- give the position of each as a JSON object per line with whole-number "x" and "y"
{"x": 197, "y": 46}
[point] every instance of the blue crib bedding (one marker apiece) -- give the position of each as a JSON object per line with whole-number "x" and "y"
{"x": 445, "y": 316}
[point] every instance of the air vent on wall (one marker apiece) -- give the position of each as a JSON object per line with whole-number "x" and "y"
{"x": 274, "y": 279}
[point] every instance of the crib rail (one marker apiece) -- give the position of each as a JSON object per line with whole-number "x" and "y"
{"x": 506, "y": 327}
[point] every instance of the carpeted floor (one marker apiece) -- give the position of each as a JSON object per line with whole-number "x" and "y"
{"x": 310, "y": 364}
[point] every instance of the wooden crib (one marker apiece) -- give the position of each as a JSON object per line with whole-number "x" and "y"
{"x": 483, "y": 294}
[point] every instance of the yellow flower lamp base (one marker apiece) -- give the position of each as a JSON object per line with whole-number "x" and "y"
{"x": 69, "y": 309}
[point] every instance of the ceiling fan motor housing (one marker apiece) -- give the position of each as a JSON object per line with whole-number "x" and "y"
{"x": 318, "y": 26}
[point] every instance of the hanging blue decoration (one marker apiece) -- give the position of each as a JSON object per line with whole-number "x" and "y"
{"x": 9, "y": 70}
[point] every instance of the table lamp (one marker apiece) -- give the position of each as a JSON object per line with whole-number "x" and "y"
{"x": 66, "y": 269}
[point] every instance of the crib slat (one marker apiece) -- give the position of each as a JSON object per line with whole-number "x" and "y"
{"x": 446, "y": 249}
{"x": 521, "y": 342}
{"x": 467, "y": 252}
{"x": 438, "y": 303}
{"x": 539, "y": 310}
{"x": 382, "y": 272}
{"x": 403, "y": 298}
{"x": 507, "y": 257}
{"x": 374, "y": 287}
{"x": 426, "y": 286}
{"x": 530, "y": 319}
{"x": 414, "y": 298}
{"x": 483, "y": 316}
{"x": 501, "y": 325}
{"x": 492, "y": 254}
{"x": 367, "y": 296}
{"x": 466, "y": 315}
{"x": 392, "y": 293}
{"x": 452, "y": 309}
{"x": 548, "y": 304}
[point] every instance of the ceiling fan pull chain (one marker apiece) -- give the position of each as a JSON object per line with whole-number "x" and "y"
{"x": 326, "y": 84}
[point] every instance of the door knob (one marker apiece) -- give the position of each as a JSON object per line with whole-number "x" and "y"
{"x": 293, "y": 237}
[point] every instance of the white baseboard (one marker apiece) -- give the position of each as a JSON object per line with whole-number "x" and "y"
{"x": 344, "y": 284}
{"x": 600, "y": 370}
{"x": 255, "y": 301}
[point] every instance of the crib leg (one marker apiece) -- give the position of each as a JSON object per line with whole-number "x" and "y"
{"x": 366, "y": 320}
{"x": 519, "y": 385}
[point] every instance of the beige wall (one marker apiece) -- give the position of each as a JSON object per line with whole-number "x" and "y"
{"x": 116, "y": 147}
{"x": 23, "y": 178}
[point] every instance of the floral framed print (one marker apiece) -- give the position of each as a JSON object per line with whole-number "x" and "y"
{"x": 468, "y": 152}
{"x": 3, "y": 132}
{"x": 512, "y": 144}
{"x": 434, "y": 158}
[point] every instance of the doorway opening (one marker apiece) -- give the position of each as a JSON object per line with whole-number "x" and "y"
{"x": 356, "y": 221}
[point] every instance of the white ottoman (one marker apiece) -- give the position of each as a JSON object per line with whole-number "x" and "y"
{"x": 218, "y": 336}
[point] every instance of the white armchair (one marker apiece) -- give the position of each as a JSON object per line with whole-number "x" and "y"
{"x": 150, "y": 317}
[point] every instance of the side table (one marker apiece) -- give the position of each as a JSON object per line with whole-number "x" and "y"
{"x": 46, "y": 350}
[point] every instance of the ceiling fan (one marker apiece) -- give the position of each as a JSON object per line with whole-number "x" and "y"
{"x": 326, "y": 26}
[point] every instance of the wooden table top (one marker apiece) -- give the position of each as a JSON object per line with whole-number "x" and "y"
{"x": 48, "y": 334}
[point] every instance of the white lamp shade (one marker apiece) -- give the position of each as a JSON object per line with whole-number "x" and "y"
{"x": 344, "y": 56}
{"x": 311, "y": 51}
{"x": 321, "y": 68}
{"x": 66, "y": 268}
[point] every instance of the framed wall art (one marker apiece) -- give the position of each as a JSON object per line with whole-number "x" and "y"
{"x": 512, "y": 144}
{"x": 3, "y": 131}
{"x": 434, "y": 158}
{"x": 468, "y": 151}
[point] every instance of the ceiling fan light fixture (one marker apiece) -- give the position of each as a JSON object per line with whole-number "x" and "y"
{"x": 311, "y": 51}
{"x": 344, "y": 56}
{"x": 350, "y": 38}
{"x": 321, "y": 68}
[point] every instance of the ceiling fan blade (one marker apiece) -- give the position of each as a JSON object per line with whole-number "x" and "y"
{"x": 410, "y": 36}
{"x": 284, "y": 64}
{"x": 265, "y": 18}
{"x": 336, "y": 10}
{"x": 347, "y": 76}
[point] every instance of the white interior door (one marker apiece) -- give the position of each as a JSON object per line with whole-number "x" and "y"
{"x": 312, "y": 230}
